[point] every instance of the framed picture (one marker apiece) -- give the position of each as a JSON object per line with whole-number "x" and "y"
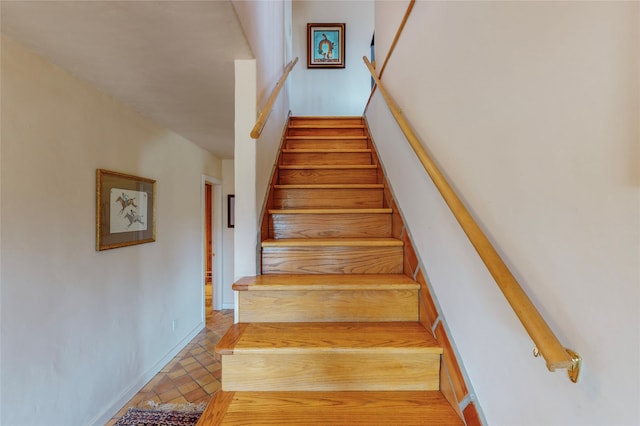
{"x": 125, "y": 210}
{"x": 231, "y": 210}
{"x": 325, "y": 45}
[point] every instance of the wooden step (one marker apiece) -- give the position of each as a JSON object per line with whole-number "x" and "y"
{"x": 327, "y": 298}
{"x": 330, "y": 223}
{"x": 320, "y": 129}
{"x": 409, "y": 408}
{"x": 322, "y": 196}
{"x": 325, "y": 142}
{"x": 322, "y": 282}
{"x": 326, "y": 174}
{"x": 333, "y": 242}
{"x": 332, "y": 256}
{"x": 325, "y": 156}
{"x": 329, "y": 356}
{"x": 326, "y": 121}
{"x": 322, "y": 125}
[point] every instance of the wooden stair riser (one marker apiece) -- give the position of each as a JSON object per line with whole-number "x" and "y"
{"x": 332, "y": 260}
{"x": 327, "y": 176}
{"x": 333, "y": 158}
{"x": 315, "y": 143}
{"x": 311, "y": 225}
{"x": 326, "y": 131}
{"x": 328, "y": 305}
{"x": 337, "y": 198}
{"x": 331, "y": 371}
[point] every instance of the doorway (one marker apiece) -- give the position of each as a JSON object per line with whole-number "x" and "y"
{"x": 211, "y": 244}
{"x": 208, "y": 247}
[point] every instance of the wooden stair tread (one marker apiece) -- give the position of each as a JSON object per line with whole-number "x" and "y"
{"x": 327, "y": 150}
{"x": 298, "y": 121}
{"x": 229, "y": 339}
{"x": 331, "y": 186}
{"x": 321, "y": 125}
{"x": 331, "y": 211}
{"x": 333, "y": 337}
{"x": 329, "y": 408}
{"x": 333, "y": 242}
{"x": 326, "y": 117}
{"x": 326, "y": 166}
{"x": 326, "y": 137}
{"x": 325, "y": 282}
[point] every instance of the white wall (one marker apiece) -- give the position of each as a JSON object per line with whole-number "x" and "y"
{"x": 83, "y": 330}
{"x": 343, "y": 91}
{"x": 531, "y": 109}
{"x": 246, "y": 228}
{"x": 265, "y": 28}
{"x": 228, "y": 187}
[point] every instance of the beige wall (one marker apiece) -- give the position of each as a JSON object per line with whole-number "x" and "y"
{"x": 343, "y": 91}
{"x": 265, "y": 27}
{"x": 246, "y": 212}
{"x": 531, "y": 109}
{"x": 83, "y": 330}
{"x": 228, "y": 187}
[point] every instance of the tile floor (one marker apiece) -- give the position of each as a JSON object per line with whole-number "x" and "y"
{"x": 194, "y": 374}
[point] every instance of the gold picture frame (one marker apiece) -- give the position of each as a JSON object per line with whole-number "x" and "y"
{"x": 325, "y": 45}
{"x": 125, "y": 210}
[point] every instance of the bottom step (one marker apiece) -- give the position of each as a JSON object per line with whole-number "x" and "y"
{"x": 329, "y": 408}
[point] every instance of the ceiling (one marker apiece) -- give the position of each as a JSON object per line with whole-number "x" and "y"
{"x": 173, "y": 61}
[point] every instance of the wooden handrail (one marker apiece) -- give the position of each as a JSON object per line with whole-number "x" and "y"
{"x": 264, "y": 114}
{"x": 547, "y": 344}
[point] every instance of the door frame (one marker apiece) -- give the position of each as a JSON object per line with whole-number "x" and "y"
{"x": 216, "y": 214}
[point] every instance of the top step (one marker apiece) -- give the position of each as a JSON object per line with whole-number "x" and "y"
{"x": 326, "y": 121}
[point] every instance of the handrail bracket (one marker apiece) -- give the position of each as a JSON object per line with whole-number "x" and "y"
{"x": 573, "y": 371}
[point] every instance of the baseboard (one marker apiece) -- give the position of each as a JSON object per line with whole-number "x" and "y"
{"x": 228, "y": 306}
{"x": 106, "y": 414}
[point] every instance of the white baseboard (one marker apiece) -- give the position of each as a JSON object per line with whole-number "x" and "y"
{"x": 228, "y": 306}
{"x": 106, "y": 414}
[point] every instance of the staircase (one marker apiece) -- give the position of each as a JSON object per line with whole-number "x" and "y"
{"x": 331, "y": 332}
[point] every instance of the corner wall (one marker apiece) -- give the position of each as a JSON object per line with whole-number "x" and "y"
{"x": 531, "y": 110}
{"x": 83, "y": 330}
{"x": 338, "y": 91}
{"x": 228, "y": 187}
{"x": 246, "y": 212}
{"x": 266, "y": 31}
{"x": 268, "y": 34}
